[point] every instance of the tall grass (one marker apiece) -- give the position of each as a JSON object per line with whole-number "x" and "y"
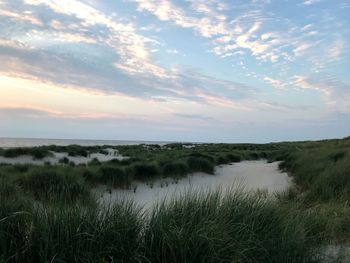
{"x": 145, "y": 171}
{"x": 321, "y": 170}
{"x": 115, "y": 177}
{"x": 237, "y": 227}
{"x": 199, "y": 227}
{"x": 48, "y": 215}
{"x": 37, "y": 152}
{"x": 55, "y": 185}
{"x": 86, "y": 234}
{"x": 175, "y": 169}
{"x": 200, "y": 164}
{"x": 15, "y": 216}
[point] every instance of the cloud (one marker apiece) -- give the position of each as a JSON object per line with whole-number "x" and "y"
{"x": 335, "y": 92}
{"x": 129, "y": 45}
{"x": 36, "y": 112}
{"x": 25, "y": 17}
{"x": 301, "y": 49}
{"x": 244, "y": 32}
{"x": 336, "y": 49}
{"x": 71, "y": 71}
{"x": 311, "y": 2}
{"x": 194, "y": 116}
{"x": 274, "y": 82}
{"x": 73, "y": 43}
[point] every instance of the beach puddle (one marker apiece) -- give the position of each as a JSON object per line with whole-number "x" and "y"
{"x": 249, "y": 175}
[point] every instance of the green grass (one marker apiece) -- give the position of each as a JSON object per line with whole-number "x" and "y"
{"x": 237, "y": 227}
{"x": 177, "y": 169}
{"x": 321, "y": 170}
{"x": 37, "y": 152}
{"x": 47, "y": 213}
{"x": 199, "y": 227}
{"x": 54, "y": 185}
{"x": 145, "y": 171}
{"x": 200, "y": 164}
{"x": 115, "y": 177}
{"x": 15, "y": 213}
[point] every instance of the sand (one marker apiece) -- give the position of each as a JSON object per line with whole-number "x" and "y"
{"x": 251, "y": 175}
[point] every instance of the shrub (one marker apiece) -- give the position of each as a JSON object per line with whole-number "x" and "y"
{"x": 222, "y": 160}
{"x": 94, "y": 161}
{"x": 144, "y": 171}
{"x": 48, "y": 184}
{"x": 114, "y": 162}
{"x": 77, "y": 150}
{"x": 253, "y": 156}
{"x": 175, "y": 169}
{"x": 39, "y": 153}
{"x": 104, "y": 152}
{"x": 115, "y": 177}
{"x": 14, "y": 152}
{"x": 64, "y": 160}
{"x": 200, "y": 164}
{"x": 204, "y": 156}
{"x": 337, "y": 156}
{"x": 233, "y": 158}
{"x": 22, "y": 168}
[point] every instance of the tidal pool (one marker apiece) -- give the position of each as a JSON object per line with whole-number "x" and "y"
{"x": 249, "y": 175}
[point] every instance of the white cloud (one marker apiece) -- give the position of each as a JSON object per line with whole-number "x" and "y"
{"x": 274, "y": 82}
{"x": 25, "y": 17}
{"x": 134, "y": 56}
{"x": 336, "y": 49}
{"x": 311, "y": 2}
{"x": 246, "y": 31}
{"x": 301, "y": 49}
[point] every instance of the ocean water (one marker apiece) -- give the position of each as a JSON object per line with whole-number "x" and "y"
{"x": 26, "y": 142}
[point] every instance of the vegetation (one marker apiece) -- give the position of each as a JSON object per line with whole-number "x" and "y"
{"x": 207, "y": 227}
{"x": 38, "y": 153}
{"x": 48, "y": 214}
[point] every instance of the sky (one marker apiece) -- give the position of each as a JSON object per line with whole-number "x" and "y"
{"x": 175, "y": 70}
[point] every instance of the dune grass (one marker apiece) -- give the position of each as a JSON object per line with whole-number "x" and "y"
{"x": 321, "y": 170}
{"x": 47, "y": 213}
{"x": 199, "y": 227}
{"x": 237, "y": 227}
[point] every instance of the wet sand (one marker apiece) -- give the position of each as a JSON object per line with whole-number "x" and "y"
{"x": 251, "y": 175}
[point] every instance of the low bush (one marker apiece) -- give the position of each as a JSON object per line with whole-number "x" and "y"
{"x": 49, "y": 184}
{"x": 95, "y": 162}
{"x": 115, "y": 177}
{"x": 144, "y": 171}
{"x": 63, "y": 160}
{"x": 175, "y": 169}
{"x": 14, "y": 152}
{"x": 200, "y": 164}
{"x": 233, "y": 158}
{"x": 104, "y": 152}
{"x": 38, "y": 153}
{"x": 77, "y": 150}
{"x": 222, "y": 159}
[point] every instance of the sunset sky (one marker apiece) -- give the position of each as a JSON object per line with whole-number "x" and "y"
{"x": 183, "y": 70}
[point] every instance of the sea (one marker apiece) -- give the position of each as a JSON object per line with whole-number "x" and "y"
{"x": 29, "y": 142}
